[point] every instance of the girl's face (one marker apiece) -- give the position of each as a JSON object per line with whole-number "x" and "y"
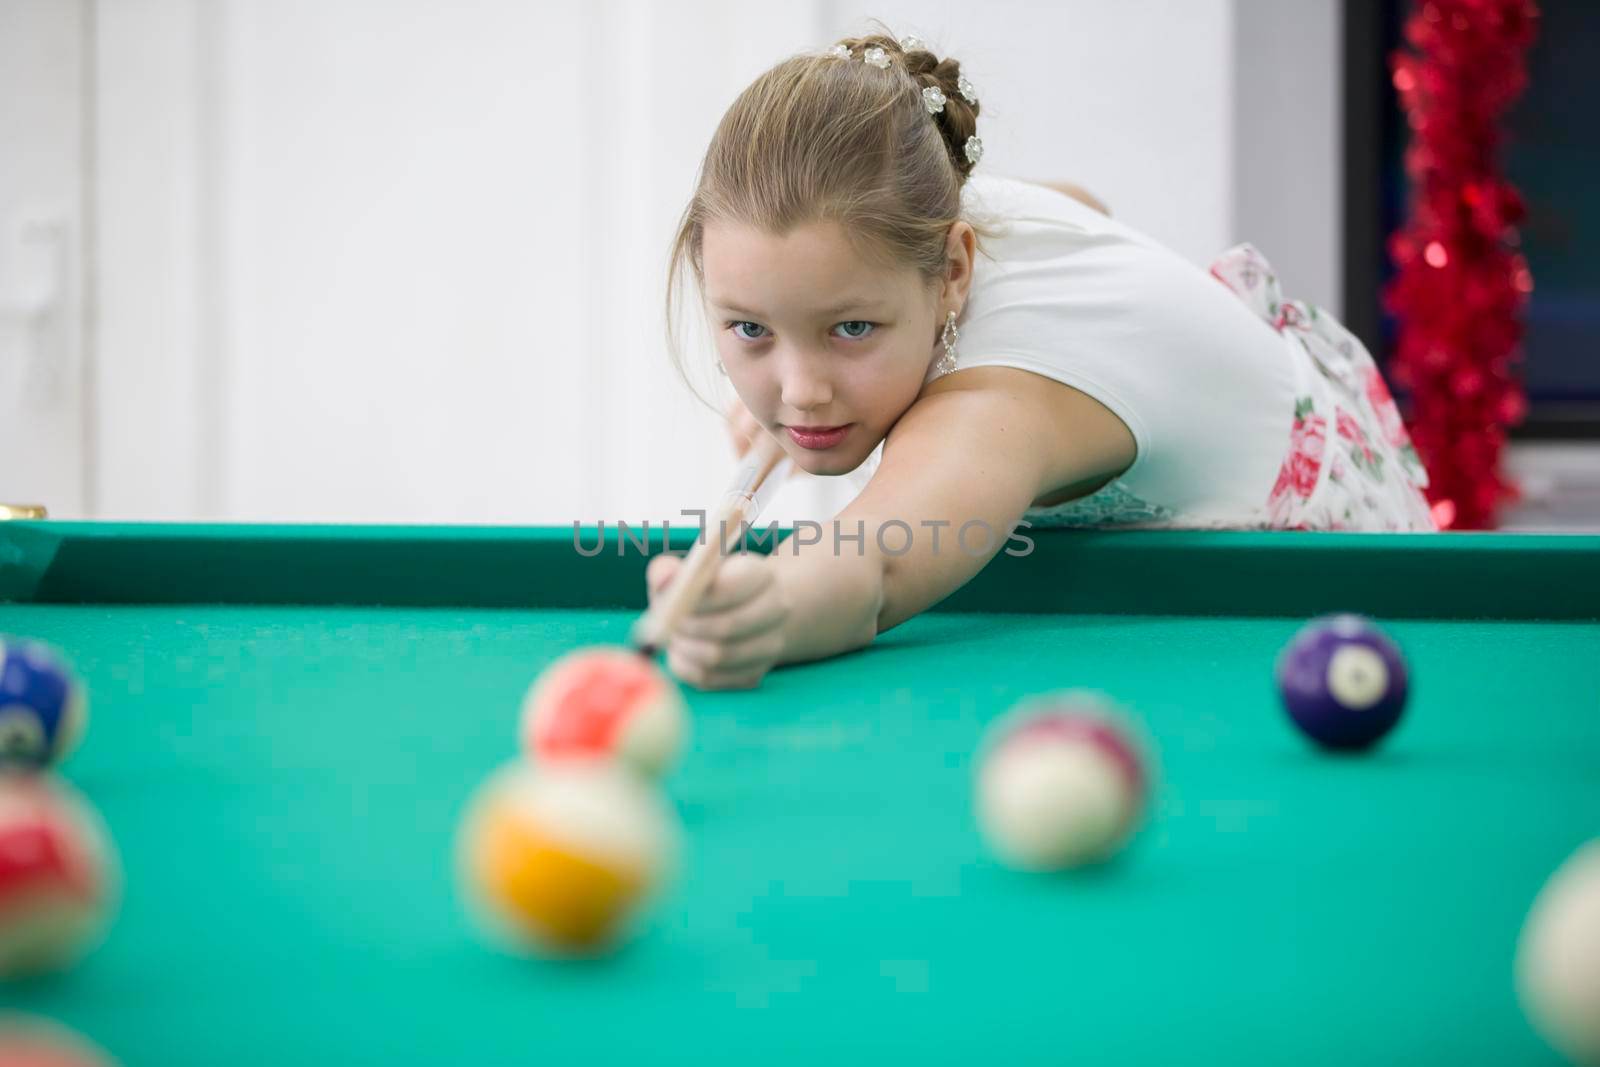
{"x": 825, "y": 352}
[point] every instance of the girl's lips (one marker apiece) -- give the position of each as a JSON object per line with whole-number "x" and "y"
{"x": 817, "y": 438}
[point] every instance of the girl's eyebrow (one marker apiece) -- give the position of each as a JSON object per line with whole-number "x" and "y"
{"x": 838, "y": 309}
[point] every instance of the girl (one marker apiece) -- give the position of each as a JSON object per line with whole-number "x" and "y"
{"x": 1019, "y": 356}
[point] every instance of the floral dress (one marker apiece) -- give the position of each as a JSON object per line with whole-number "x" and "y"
{"x": 1349, "y": 463}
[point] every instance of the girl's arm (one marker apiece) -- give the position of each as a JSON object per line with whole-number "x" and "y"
{"x": 977, "y": 447}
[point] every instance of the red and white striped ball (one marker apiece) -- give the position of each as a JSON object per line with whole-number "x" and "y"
{"x": 29, "y": 1041}
{"x": 606, "y": 703}
{"x": 1061, "y": 783}
{"x": 60, "y": 881}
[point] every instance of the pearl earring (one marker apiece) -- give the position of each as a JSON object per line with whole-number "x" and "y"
{"x": 951, "y": 335}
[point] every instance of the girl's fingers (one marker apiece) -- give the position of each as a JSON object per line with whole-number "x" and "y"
{"x": 739, "y": 577}
{"x": 659, "y": 572}
{"x": 716, "y": 658}
{"x": 755, "y": 616}
{"x": 702, "y": 678}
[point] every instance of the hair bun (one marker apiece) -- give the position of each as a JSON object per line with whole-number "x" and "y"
{"x": 958, "y": 120}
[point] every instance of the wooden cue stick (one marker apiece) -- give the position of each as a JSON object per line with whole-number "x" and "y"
{"x": 653, "y": 629}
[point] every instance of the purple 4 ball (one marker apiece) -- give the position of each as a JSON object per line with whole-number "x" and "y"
{"x": 1343, "y": 681}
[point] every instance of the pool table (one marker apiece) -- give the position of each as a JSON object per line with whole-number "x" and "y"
{"x": 287, "y": 721}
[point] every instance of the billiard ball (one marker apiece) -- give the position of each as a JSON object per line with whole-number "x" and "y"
{"x": 1061, "y": 782}
{"x": 59, "y": 876}
{"x": 29, "y": 1041}
{"x": 561, "y": 859}
{"x": 605, "y": 703}
{"x": 1558, "y": 957}
{"x": 1343, "y": 681}
{"x": 43, "y": 707}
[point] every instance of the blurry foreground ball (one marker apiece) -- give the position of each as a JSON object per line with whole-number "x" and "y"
{"x": 44, "y": 709}
{"x": 29, "y": 1041}
{"x": 1061, "y": 783}
{"x": 561, "y": 859}
{"x": 608, "y": 703}
{"x": 59, "y": 876}
{"x": 1558, "y": 958}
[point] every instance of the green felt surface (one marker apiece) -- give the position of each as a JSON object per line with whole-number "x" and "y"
{"x": 283, "y": 784}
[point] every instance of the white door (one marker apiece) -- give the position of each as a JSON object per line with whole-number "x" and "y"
{"x": 42, "y": 417}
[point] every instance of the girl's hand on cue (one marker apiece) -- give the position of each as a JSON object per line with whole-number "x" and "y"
{"x": 735, "y": 635}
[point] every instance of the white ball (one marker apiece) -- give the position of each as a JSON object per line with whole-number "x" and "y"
{"x": 1558, "y": 958}
{"x": 1058, "y": 787}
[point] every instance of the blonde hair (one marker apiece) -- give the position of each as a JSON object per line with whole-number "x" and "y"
{"x": 822, "y": 139}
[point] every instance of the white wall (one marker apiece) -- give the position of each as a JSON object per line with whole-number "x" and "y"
{"x": 403, "y": 261}
{"x": 42, "y": 240}
{"x": 157, "y": 302}
{"x": 1287, "y": 155}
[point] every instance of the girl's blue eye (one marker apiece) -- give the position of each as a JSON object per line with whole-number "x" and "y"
{"x": 738, "y": 332}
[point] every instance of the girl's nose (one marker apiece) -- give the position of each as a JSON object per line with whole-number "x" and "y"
{"x": 805, "y": 386}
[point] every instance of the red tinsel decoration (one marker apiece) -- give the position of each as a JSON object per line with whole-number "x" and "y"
{"x": 1461, "y": 284}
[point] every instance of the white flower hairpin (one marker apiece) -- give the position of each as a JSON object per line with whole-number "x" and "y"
{"x": 933, "y": 98}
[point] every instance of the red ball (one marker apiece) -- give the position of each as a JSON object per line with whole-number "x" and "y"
{"x": 59, "y": 877}
{"x": 605, "y": 703}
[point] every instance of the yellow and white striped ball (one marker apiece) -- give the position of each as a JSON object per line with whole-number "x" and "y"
{"x": 605, "y": 703}
{"x": 561, "y": 859}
